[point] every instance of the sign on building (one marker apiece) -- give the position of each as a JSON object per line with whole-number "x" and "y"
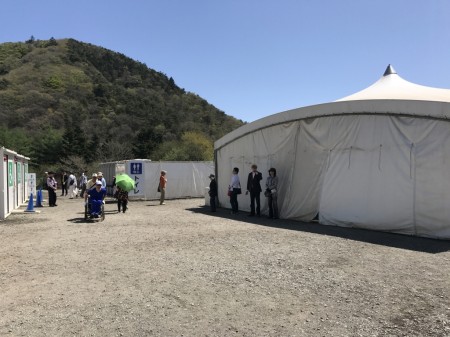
{"x": 31, "y": 183}
{"x": 136, "y": 168}
{"x": 10, "y": 173}
{"x": 136, "y": 171}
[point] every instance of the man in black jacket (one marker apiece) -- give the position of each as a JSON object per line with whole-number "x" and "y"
{"x": 254, "y": 187}
{"x": 212, "y": 192}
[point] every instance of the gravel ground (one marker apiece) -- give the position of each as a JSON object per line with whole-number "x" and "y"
{"x": 178, "y": 270}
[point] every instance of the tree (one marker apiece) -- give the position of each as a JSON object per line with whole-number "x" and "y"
{"x": 16, "y": 139}
{"x": 31, "y": 40}
{"x": 46, "y": 147}
{"x": 197, "y": 146}
{"x": 3, "y": 83}
{"x": 148, "y": 140}
{"x": 51, "y": 42}
{"x": 193, "y": 146}
{"x": 114, "y": 151}
{"x": 73, "y": 141}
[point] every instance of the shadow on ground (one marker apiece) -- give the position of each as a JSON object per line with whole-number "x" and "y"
{"x": 413, "y": 243}
{"x": 77, "y": 220}
{"x": 81, "y": 219}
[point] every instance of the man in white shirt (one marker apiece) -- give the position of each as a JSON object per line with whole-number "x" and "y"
{"x": 90, "y": 184}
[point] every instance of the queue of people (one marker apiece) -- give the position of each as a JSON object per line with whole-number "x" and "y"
{"x": 254, "y": 189}
{"x": 71, "y": 185}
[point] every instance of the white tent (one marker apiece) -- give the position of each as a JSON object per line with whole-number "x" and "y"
{"x": 378, "y": 159}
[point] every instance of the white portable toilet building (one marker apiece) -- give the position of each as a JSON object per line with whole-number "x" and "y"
{"x": 13, "y": 171}
{"x": 186, "y": 179}
{"x": 110, "y": 170}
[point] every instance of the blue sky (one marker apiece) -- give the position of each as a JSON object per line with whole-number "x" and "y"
{"x": 253, "y": 58}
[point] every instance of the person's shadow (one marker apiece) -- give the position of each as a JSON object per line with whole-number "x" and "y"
{"x": 77, "y": 220}
{"x": 83, "y": 220}
{"x": 414, "y": 243}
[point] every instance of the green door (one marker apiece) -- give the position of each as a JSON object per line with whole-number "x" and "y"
{"x": 19, "y": 173}
{"x": 10, "y": 173}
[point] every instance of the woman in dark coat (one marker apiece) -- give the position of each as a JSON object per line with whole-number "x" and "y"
{"x": 272, "y": 193}
{"x": 212, "y": 192}
{"x": 122, "y": 199}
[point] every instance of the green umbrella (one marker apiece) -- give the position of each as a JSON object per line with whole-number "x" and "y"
{"x": 125, "y": 182}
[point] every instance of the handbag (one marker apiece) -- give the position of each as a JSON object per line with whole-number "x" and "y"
{"x": 159, "y": 188}
{"x": 229, "y": 193}
{"x": 267, "y": 193}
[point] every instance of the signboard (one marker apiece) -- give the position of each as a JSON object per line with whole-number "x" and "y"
{"x": 136, "y": 171}
{"x": 19, "y": 173}
{"x": 31, "y": 183}
{"x": 10, "y": 173}
{"x": 136, "y": 168}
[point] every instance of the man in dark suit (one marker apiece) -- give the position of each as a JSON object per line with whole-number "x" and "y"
{"x": 254, "y": 187}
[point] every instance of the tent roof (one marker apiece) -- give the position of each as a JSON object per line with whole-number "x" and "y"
{"x": 392, "y": 86}
{"x": 390, "y": 95}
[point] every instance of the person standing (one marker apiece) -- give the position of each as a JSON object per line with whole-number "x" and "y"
{"x": 91, "y": 183}
{"x": 72, "y": 181}
{"x": 162, "y": 187}
{"x": 212, "y": 192}
{"x": 52, "y": 185}
{"x": 83, "y": 184}
{"x": 254, "y": 187}
{"x": 272, "y": 193}
{"x": 122, "y": 199}
{"x": 100, "y": 178}
{"x": 234, "y": 189}
{"x": 64, "y": 184}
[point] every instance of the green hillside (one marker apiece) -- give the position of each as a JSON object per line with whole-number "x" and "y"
{"x": 68, "y": 103}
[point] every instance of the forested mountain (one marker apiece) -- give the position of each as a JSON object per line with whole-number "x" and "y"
{"x": 65, "y": 102}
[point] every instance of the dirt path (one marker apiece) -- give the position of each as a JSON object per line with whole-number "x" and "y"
{"x": 175, "y": 270}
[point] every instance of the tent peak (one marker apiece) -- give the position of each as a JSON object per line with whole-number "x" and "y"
{"x": 389, "y": 70}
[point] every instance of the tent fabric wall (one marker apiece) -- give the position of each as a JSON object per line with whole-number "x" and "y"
{"x": 383, "y": 172}
{"x": 272, "y": 147}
